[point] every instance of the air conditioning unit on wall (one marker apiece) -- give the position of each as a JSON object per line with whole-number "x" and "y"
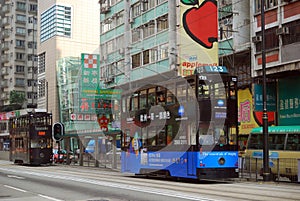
{"x": 256, "y": 39}
{"x": 282, "y": 31}
{"x": 105, "y": 9}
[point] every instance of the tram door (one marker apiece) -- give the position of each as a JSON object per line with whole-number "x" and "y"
{"x": 192, "y": 154}
{"x": 191, "y": 166}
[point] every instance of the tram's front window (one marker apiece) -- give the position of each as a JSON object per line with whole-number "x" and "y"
{"x": 40, "y": 143}
{"x": 206, "y": 136}
{"x": 213, "y": 136}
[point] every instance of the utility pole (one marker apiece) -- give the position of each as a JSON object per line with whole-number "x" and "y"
{"x": 266, "y": 168}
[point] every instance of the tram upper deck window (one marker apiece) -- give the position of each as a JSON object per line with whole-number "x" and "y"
{"x": 134, "y": 102}
{"x": 170, "y": 99}
{"x": 161, "y": 96}
{"x": 151, "y": 97}
{"x": 203, "y": 90}
{"x": 181, "y": 92}
{"x": 161, "y": 99}
{"x": 143, "y": 99}
{"x": 219, "y": 90}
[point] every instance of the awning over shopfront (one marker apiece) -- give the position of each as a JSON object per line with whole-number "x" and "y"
{"x": 279, "y": 129}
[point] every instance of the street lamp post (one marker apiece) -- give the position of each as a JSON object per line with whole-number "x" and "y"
{"x": 266, "y": 168}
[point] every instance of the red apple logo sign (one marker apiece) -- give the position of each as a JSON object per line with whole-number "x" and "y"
{"x": 201, "y": 22}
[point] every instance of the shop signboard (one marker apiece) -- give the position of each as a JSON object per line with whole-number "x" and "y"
{"x": 271, "y": 97}
{"x": 288, "y": 101}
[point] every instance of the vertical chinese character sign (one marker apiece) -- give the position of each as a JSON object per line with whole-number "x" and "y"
{"x": 246, "y": 118}
{"x": 89, "y": 82}
{"x": 258, "y": 103}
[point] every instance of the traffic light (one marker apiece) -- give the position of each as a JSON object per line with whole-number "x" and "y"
{"x": 58, "y": 131}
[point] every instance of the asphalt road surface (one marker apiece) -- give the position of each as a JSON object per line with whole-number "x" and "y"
{"x": 60, "y": 182}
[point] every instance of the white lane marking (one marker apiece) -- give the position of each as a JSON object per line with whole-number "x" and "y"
{"x": 169, "y": 193}
{"x": 14, "y": 176}
{"x": 49, "y": 198}
{"x": 17, "y": 189}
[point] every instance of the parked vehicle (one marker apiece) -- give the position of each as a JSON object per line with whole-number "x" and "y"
{"x": 284, "y": 145}
{"x": 61, "y": 156}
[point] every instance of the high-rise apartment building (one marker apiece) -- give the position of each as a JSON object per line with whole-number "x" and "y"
{"x": 66, "y": 28}
{"x": 145, "y": 38}
{"x": 141, "y": 38}
{"x": 18, "y": 34}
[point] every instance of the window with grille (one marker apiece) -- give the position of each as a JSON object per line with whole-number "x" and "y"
{"x": 41, "y": 62}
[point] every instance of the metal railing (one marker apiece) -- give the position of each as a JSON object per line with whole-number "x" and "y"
{"x": 282, "y": 169}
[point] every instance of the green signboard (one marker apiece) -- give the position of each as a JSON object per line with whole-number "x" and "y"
{"x": 109, "y": 94}
{"x": 271, "y": 97}
{"x": 289, "y": 101}
{"x": 90, "y": 64}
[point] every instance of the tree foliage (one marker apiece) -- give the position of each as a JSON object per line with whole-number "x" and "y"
{"x": 17, "y": 97}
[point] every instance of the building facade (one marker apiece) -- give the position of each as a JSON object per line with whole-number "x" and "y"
{"x": 18, "y": 51}
{"x": 282, "y": 61}
{"x": 139, "y": 39}
{"x": 135, "y": 39}
{"x": 66, "y": 29}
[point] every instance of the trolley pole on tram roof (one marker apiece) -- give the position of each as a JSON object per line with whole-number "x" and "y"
{"x": 266, "y": 168}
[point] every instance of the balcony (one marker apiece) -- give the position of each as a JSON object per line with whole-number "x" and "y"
{"x": 225, "y": 11}
{"x": 6, "y": 8}
{"x": 5, "y": 21}
{"x": 4, "y": 58}
{"x": 5, "y": 46}
{"x": 4, "y": 71}
{"x": 32, "y": 11}
{"x": 5, "y": 34}
{"x": 4, "y": 96}
{"x": 22, "y": 47}
{"x": 4, "y": 84}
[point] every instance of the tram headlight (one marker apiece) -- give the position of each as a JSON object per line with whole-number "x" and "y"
{"x": 221, "y": 161}
{"x": 42, "y": 155}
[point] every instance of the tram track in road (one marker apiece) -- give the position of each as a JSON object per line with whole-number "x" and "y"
{"x": 209, "y": 190}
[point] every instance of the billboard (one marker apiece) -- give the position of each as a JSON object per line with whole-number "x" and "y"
{"x": 198, "y": 36}
{"x": 271, "y": 97}
{"x": 245, "y": 112}
{"x": 288, "y": 101}
{"x": 89, "y": 82}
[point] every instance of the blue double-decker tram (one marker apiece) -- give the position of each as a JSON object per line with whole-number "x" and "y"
{"x": 181, "y": 127}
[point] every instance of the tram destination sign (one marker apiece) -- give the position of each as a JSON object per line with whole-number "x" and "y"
{"x": 210, "y": 69}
